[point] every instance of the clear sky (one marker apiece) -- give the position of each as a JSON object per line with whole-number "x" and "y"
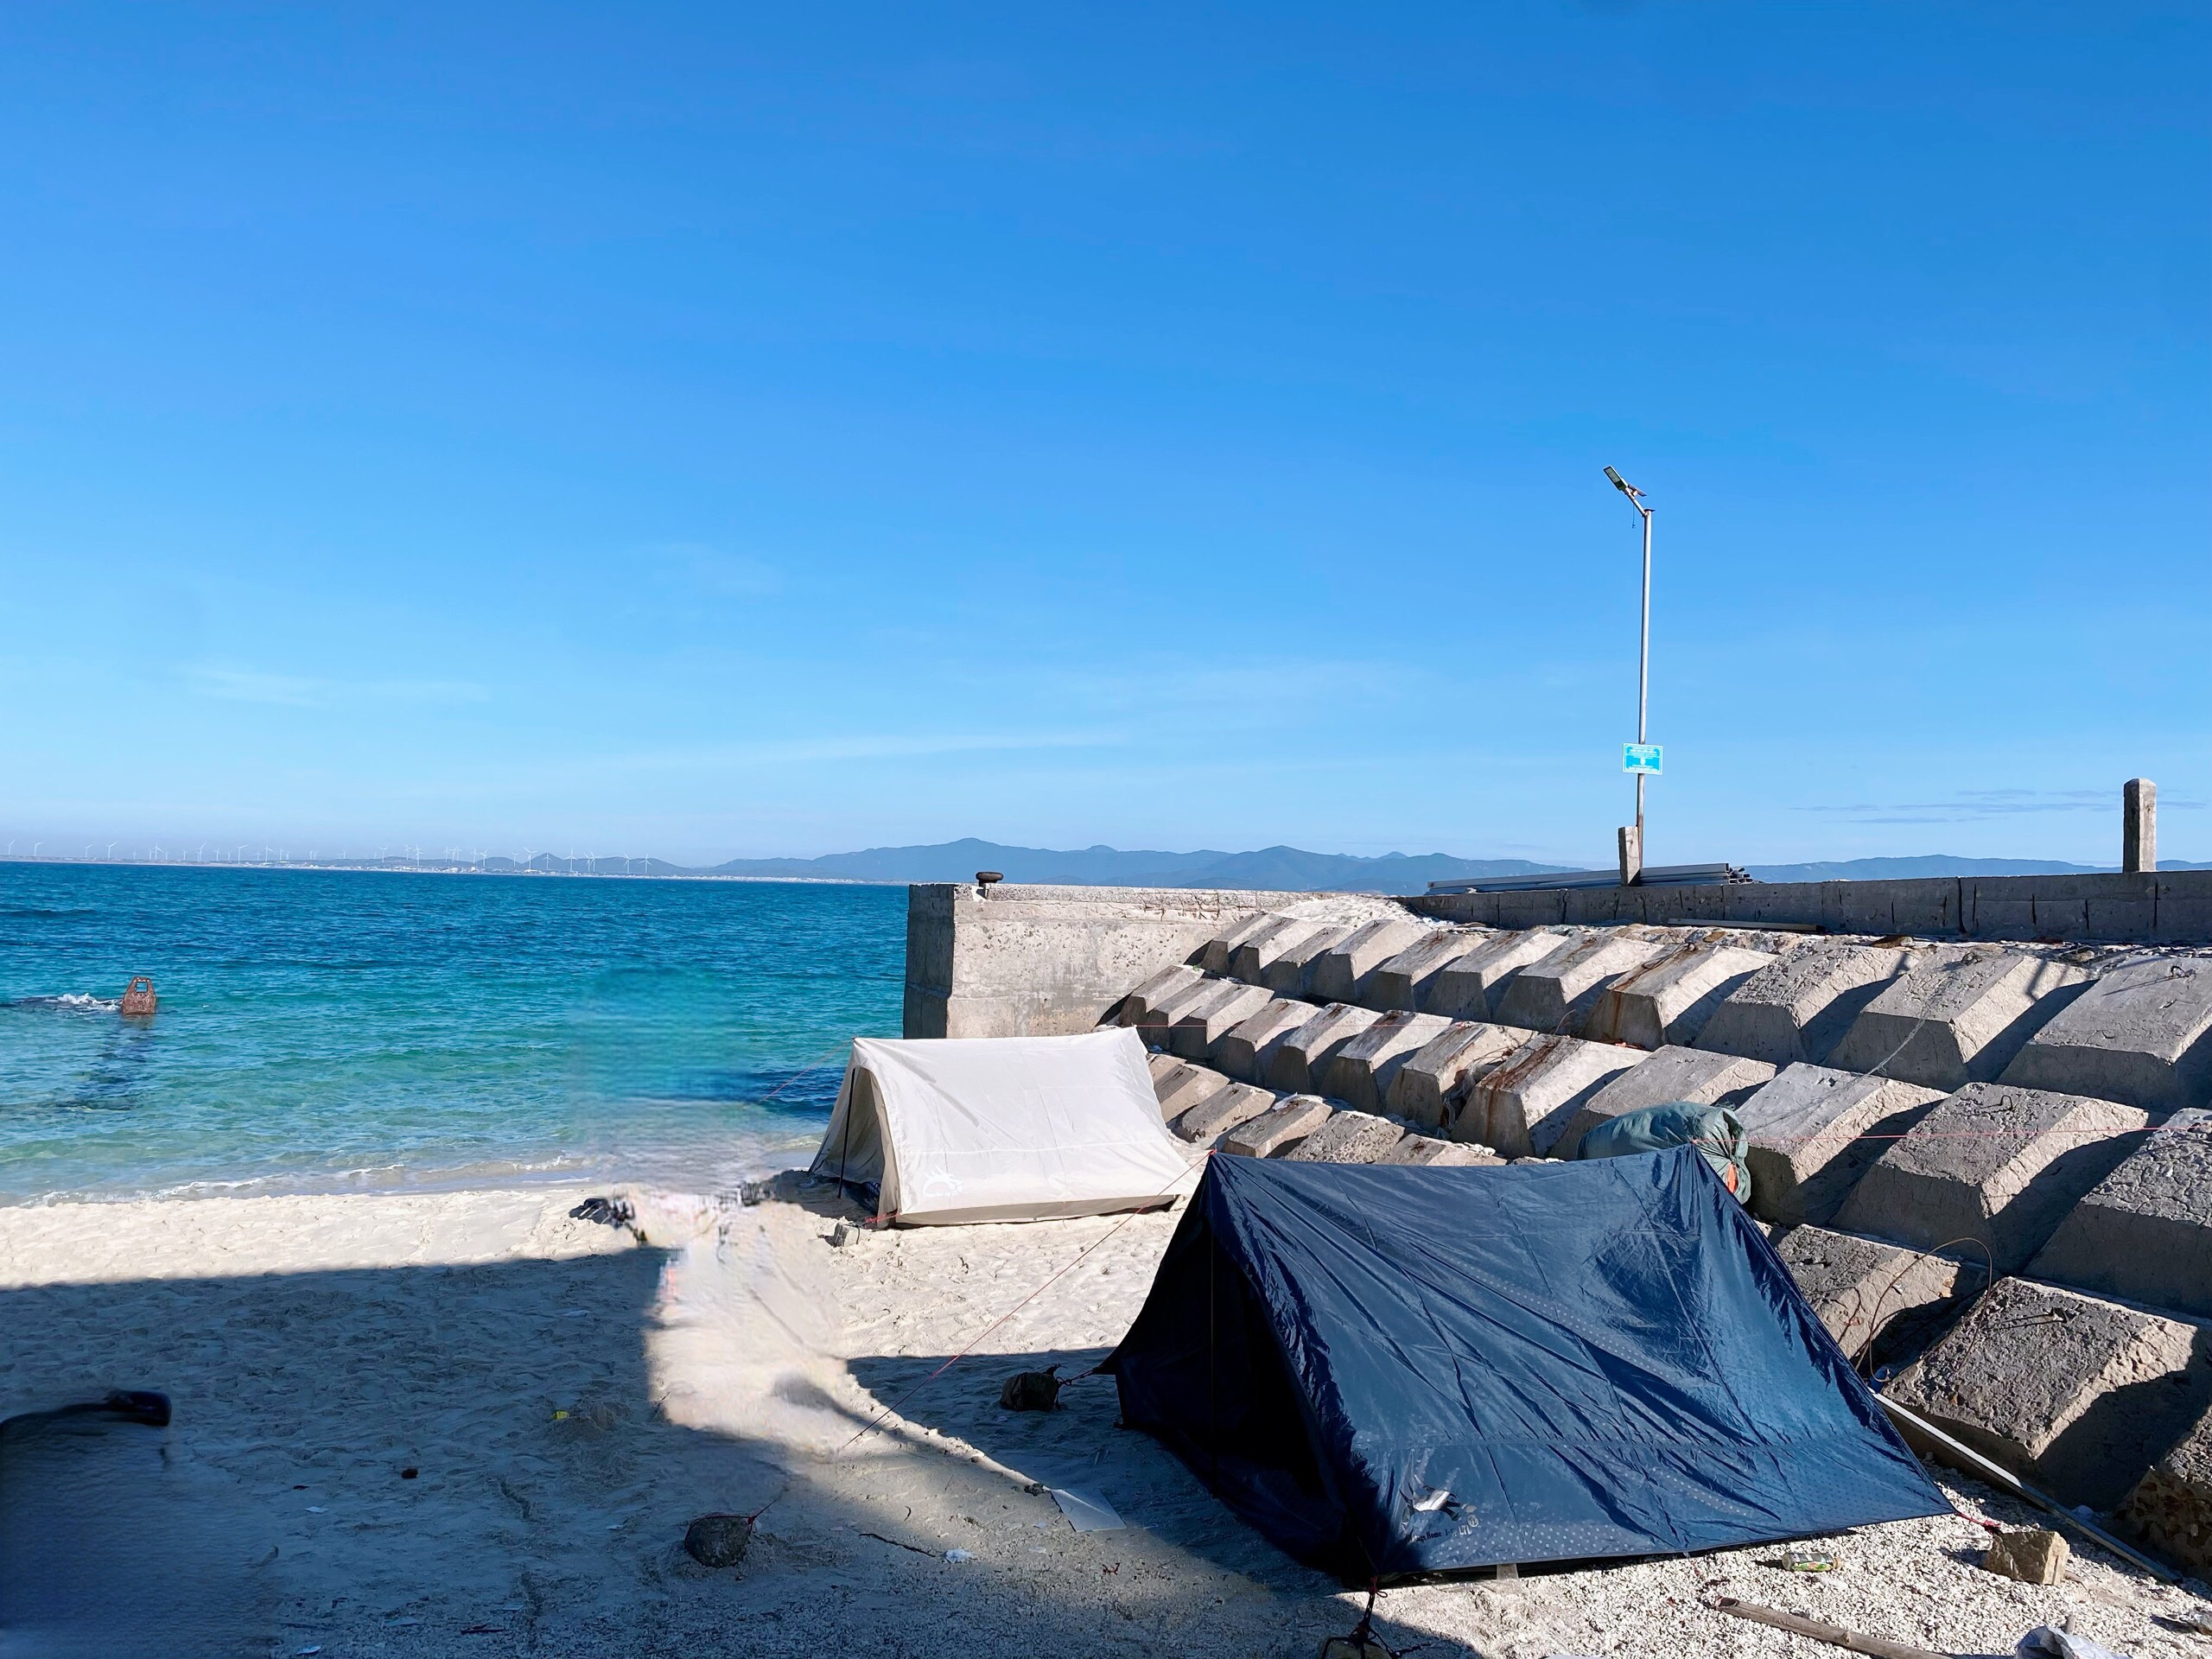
{"x": 718, "y": 431}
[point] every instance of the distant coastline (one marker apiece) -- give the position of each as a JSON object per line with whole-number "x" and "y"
{"x": 1288, "y": 870}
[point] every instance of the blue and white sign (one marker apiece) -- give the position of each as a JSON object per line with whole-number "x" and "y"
{"x": 1642, "y": 757}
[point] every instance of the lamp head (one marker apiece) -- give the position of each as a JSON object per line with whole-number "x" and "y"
{"x": 1623, "y": 485}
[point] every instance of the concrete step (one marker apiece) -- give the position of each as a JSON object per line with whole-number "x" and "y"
{"x": 1999, "y": 1164}
{"x": 1796, "y": 1008}
{"x": 2078, "y": 1395}
{"x": 1814, "y": 1131}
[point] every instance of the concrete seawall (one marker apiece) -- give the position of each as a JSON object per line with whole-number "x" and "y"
{"x": 1038, "y": 961}
{"x": 2165, "y": 907}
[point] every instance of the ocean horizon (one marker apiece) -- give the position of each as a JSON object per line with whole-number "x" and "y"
{"x": 341, "y": 1030}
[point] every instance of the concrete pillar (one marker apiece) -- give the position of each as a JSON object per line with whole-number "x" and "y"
{"x": 1631, "y": 853}
{"x": 2139, "y": 826}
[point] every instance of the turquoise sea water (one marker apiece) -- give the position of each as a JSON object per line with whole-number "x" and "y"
{"x": 340, "y": 1030}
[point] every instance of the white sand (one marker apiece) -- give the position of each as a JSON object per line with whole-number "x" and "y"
{"x": 316, "y": 1346}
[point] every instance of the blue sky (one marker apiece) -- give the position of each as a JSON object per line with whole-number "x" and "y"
{"x": 714, "y": 432}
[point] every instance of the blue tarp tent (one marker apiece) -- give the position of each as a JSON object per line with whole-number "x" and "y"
{"x": 1394, "y": 1370}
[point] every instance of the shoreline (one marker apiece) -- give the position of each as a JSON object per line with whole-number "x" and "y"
{"x": 571, "y": 1394}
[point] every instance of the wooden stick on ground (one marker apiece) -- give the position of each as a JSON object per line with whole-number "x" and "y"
{"x": 1834, "y": 1634}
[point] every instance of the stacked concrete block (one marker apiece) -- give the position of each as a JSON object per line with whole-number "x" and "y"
{"x": 1165, "y": 1068}
{"x": 1168, "y": 982}
{"x": 1249, "y": 1050}
{"x": 1992, "y": 1164}
{"x": 1161, "y": 1013}
{"x": 1861, "y": 1286}
{"x": 2077, "y": 1394}
{"x": 1687, "y": 1075}
{"x": 1342, "y": 972}
{"x": 1360, "y": 1073}
{"x": 1231, "y": 1108}
{"x": 1525, "y": 1105}
{"x": 1668, "y": 1001}
{"x": 1276, "y": 1131}
{"x": 2145, "y": 1232}
{"x": 1404, "y": 981}
{"x": 1426, "y": 1149}
{"x": 1198, "y": 1026}
{"x": 2171, "y": 1508}
{"x": 1557, "y": 993}
{"x": 1797, "y": 1007}
{"x": 1296, "y": 1065}
{"x": 1468, "y": 987}
{"x": 1958, "y": 1015}
{"x": 1184, "y": 1087}
{"x": 1431, "y": 1085}
{"x": 1347, "y": 1138}
{"x": 1292, "y": 971}
{"x": 1814, "y": 1131}
{"x": 1213, "y": 956}
{"x": 1251, "y": 956}
{"x": 2141, "y": 1035}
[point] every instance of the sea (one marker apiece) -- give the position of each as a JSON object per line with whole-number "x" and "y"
{"x": 363, "y": 1031}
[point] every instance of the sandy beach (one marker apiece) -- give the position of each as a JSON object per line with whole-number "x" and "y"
{"x": 571, "y": 1394}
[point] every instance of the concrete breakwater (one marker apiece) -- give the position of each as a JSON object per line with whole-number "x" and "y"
{"x": 1988, "y": 1164}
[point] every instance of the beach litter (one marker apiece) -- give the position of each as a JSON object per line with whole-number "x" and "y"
{"x": 718, "y": 1539}
{"x": 1820, "y": 1631}
{"x": 956, "y": 1555}
{"x": 1031, "y": 1390}
{"x": 1087, "y": 1511}
{"x": 2046, "y": 1643}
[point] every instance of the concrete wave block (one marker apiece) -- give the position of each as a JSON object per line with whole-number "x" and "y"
{"x": 1199, "y": 1026}
{"x": 1993, "y": 1163}
{"x": 1288, "y": 975}
{"x": 1163, "y": 1067}
{"x": 1277, "y": 1131}
{"x": 1186, "y": 1087}
{"x": 1468, "y": 987}
{"x": 1814, "y": 1131}
{"x": 1218, "y": 1114}
{"x": 1861, "y": 1286}
{"x": 1247, "y": 1050}
{"x": 1431, "y": 1085}
{"x": 1525, "y": 1103}
{"x": 2145, "y": 1231}
{"x": 1557, "y": 993}
{"x": 1428, "y": 1149}
{"x": 1167, "y": 982}
{"x": 1958, "y": 1015}
{"x": 1161, "y": 1015}
{"x": 1797, "y": 1007}
{"x": 1341, "y": 973}
{"x": 1213, "y": 956}
{"x": 1347, "y": 1138}
{"x": 1668, "y": 1001}
{"x": 2141, "y": 1035}
{"x": 1360, "y": 1072}
{"x": 2171, "y": 1508}
{"x": 2078, "y": 1395}
{"x": 1687, "y": 1075}
{"x": 1404, "y": 980}
{"x": 1296, "y": 1065}
{"x": 1252, "y": 956}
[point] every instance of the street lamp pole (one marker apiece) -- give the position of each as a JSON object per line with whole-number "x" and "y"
{"x": 1633, "y": 855}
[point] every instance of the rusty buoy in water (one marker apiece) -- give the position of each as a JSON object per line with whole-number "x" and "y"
{"x": 138, "y": 999}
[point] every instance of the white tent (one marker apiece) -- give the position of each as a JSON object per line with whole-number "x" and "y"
{"x": 1003, "y": 1128}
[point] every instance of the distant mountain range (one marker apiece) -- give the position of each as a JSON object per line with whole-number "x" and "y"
{"x": 1286, "y": 869}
